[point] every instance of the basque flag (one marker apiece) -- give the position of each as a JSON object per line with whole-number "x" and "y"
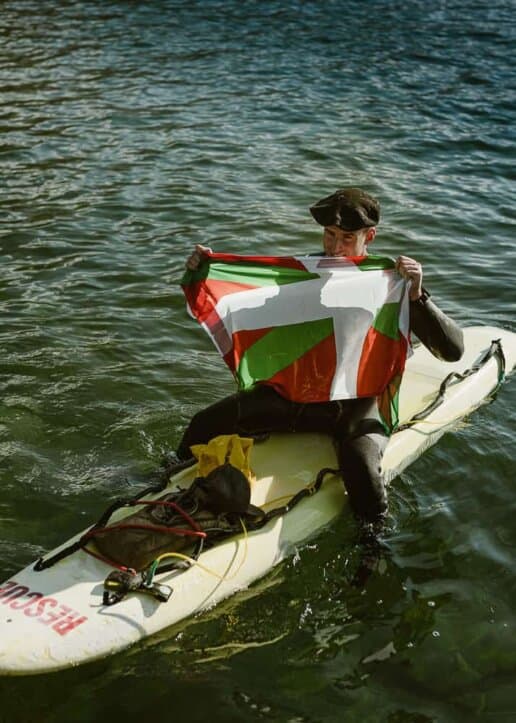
{"x": 314, "y": 328}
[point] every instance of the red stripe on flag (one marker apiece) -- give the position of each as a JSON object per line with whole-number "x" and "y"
{"x": 310, "y": 377}
{"x": 381, "y": 359}
{"x": 203, "y": 296}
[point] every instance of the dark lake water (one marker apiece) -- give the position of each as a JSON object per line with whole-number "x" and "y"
{"x": 129, "y": 131}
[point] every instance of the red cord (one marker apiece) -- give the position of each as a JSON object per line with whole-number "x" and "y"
{"x": 195, "y": 532}
{"x": 109, "y": 562}
{"x": 176, "y": 507}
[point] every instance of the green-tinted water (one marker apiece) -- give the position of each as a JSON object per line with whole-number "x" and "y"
{"x": 131, "y": 131}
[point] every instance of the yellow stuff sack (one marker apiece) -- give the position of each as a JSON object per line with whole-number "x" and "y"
{"x": 223, "y": 449}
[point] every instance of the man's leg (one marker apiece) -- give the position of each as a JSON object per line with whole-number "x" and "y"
{"x": 360, "y": 461}
{"x": 355, "y": 425}
{"x": 259, "y": 411}
{"x": 361, "y": 442}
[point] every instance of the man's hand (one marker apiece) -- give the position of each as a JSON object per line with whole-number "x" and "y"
{"x": 196, "y": 257}
{"x": 411, "y": 269}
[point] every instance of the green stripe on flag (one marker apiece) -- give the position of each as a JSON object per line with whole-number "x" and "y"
{"x": 247, "y": 273}
{"x": 280, "y": 348}
{"x": 387, "y": 320}
{"x": 375, "y": 263}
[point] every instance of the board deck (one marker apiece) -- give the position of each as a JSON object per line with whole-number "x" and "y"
{"x": 55, "y": 618}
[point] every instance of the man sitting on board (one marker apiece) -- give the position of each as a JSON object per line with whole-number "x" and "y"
{"x": 349, "y": 217}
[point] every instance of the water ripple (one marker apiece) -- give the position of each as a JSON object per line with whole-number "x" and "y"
{"x": 130, "y": 132}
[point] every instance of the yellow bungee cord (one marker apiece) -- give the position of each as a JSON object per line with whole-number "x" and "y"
{"x": 192, "y": 561}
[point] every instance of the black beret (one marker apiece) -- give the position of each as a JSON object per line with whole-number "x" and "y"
{"x": 347, "y": 208}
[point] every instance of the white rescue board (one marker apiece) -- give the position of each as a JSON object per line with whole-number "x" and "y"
{"x": 55, "y": 618}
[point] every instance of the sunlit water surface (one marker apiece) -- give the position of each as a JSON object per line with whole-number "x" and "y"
{"x": 131, "y": 131}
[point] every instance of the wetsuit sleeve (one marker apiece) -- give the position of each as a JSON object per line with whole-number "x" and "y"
{"x": 440, "y": 334}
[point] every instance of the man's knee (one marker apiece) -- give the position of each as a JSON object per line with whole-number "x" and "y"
{"x": 248, "y": 413}
{"x": 219, "y": 418}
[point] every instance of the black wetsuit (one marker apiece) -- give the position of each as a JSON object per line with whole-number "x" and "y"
{"x": 354, "y": 424}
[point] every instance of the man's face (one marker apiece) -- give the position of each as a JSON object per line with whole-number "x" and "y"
{"x": 338, "y": 242}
